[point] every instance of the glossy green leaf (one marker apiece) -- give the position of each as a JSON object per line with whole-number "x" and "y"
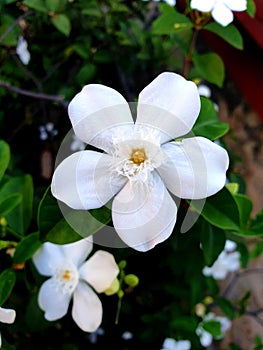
{"x": 170, "y": 22}
{"x": 213, "y": 241}
{"x": 210, "y": 67}
{"x": 7, "y": 282}
{"x": 245, "y": 206}
{"x": 8, "y": 203}
{"x": 20, "y": 217}
{"x": 208, "y": 125}
{"x": 220, "y": 210}
{"x": 62, "y": 23}
{"x": 4, "y": 157}
{"x": 229, "y": 33}
{"x": 38, "y": 5}
{"x": 26, "y": 248}
{"x": 251, "y": 8}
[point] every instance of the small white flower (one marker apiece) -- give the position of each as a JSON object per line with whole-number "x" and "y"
{"x": 204, "y": 90}
{"x": 6, "y": 316}
{"x": 172, "y": 344}
{"x": 127, "y": 335}
{"x": 22, "y": 50}
{"x": 206, "y": 338}
{"x": 141, "y": 160}
{"x": 227, "y": 261}
{"x": 221, "y": 10}
{"x": 47, "y": 130}
{"x": 70, "y": 275}
{"x": 77, "y": 144}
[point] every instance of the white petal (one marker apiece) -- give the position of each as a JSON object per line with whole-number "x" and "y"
{"x": 87, "y": 308}
{"x": 170, "y": 104}
{"x": 222, "y": 14}
{"x": 52, "y": 301}
{"x": 236, "y": 5}
{"x": 78, "y": 251}
{"x": 99, "y": 113}
{"x": 196, "y": 167}
{"x": 100, "y": 270}
{"x": 144, "y": 214}
{"x": 7, "y": 315}
{"x": 46, "y": 257}
{"x": 202, "y": 5}
{"x": 84, "y": 180}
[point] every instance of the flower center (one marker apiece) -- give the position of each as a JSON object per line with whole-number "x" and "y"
{"x": 138, "y": 156}
{"x": 66, "y": 277}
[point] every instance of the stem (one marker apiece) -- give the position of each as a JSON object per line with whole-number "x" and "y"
{"x": 41, "y": 96}
{"x": 118, "y": 311}
{"x": 189, "y": 57}
{"x": 9, "y": 29}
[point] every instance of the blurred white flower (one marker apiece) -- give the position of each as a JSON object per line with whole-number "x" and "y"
{"x": 172, "y": 344}
{"x": 221, "y": 10}
{"x": 77, "y": 144}
{"x": 93, "y": 337}
{"x": 70, "y": 275}
{"x": 127, "y": 335}
{"x": 22, "y": 50}
{"x": 142, "y": 160}
{"x": 204, "y": 90}
{"x": 47, "y": 130}
{"x": 206, "y": 338}
{"x": 227, "y": 261}
{"x": 6, "y": 316}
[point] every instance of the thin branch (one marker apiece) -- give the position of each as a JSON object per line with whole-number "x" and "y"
{"x": 189, "y": 57}
{"x": 9, "y": 29}
{"x": 41, "y": 96}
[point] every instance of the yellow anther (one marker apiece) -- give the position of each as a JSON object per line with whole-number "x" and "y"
{"x": 138, "y": 156}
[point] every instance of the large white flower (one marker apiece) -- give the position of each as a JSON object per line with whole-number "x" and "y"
{"x": 6, "y": 316}
{"x": 70, "y": 275}
{"x": 221, "y": 10}
{"x": 139, "y": 162}
{"x": 227, "y": 261}
{"x": 172, "y": 344}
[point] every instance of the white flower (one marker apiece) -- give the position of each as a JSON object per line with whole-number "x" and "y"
{"x": 77, "y": 144}
{"x": 6, "y": 316}
{"x": 204, "y": 90}
{"x": 139, "y": 161}
{"x": 171, "y": 344}
{"x": 227, "y": 261}
{"x": 206, "y": 338}
{"x": 70, "y": 275}
{"x": 22, "y": 50}
{"x": 221, "y": 10}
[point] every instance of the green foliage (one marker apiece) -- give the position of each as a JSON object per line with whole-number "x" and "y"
{"x": 210, "y": 67}
{"x": 7, "y": 282}
{"x": 229, "y": 33}
{"x": 4, "y": 157}
{"x": 208, "y": 124}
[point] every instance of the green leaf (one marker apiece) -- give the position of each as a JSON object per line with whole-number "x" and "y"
{"x": 208, "y": 125}
{"x": 9, "y": 203}
{"x": 210, "y": 67}
{"x": 226, "y": 306}
{"x": 213, "y": 327}
{"x": 213, "y": 241}
{"x": 257, "y": 223}
{"x": 38, "y": 5}
{"x": 245, "y": 206}
{"x": 53, "y": 5}
{"x": 220, "y": 210}
{"x": 4, "y": 157}
{"x": 169, "y": 22}
{"x": 251, "y": 8}
{"x": 257, "y": 250}
{"x": 26, "y": 248}
{"x": 62, "y": 23}
{"x": 229, "y": 33}
{"x": 20, "y": 217}
{"x": 242, "y": 303}
{"x": 7, "y": 282}
{"x": 11, "y": 38}
{"x": 184, "y": 323}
